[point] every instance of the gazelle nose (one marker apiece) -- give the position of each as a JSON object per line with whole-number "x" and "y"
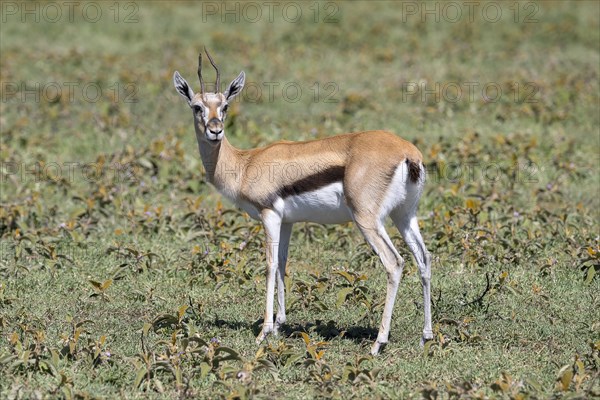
{"x": 215, "y": 126}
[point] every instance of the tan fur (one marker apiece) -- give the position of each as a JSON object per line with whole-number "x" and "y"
{"x": 368, "y": 157}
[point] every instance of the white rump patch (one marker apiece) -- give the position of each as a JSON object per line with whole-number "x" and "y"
{"x": 401, "y": 192}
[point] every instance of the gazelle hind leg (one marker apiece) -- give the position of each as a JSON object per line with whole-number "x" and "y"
{"x": 375, "y": 234}
{"x": 408, "y": 226}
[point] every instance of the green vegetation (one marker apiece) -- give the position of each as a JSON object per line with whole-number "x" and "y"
{"x": 122, "y": 275}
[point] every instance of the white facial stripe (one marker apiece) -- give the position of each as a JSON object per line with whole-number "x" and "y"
{"x": 204, "y": 110}
{"x": 216, "y": 102}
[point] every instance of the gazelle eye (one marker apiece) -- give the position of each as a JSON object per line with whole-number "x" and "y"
{"x": 198, "y": 109}
{"x": 225, "y": 108}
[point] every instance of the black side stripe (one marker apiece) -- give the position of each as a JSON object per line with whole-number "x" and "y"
{"x": 313, "y": 182}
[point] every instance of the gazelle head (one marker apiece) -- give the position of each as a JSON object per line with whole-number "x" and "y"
{"x": 209, "y": 108}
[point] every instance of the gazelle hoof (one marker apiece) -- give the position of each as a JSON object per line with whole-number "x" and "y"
{"x": 377, "y": 348}
{"x": 260, "y": 338}
{"x": 425, "y": 339}
{"x": 271, "y": 329}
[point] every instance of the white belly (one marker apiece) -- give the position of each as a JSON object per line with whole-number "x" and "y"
{"x": 326, "y": 205}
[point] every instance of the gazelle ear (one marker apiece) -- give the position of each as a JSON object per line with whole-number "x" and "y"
{"x": 182, "y": 87}
{"x": 236, "y": 86}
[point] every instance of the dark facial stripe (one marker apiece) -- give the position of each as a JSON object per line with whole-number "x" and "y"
{"x": 414, "y": 171}
{"x": 313, "y": 182}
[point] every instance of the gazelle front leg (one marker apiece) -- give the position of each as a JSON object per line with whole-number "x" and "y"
{"x": 272, "y": 224}
{"x": 284, "y": 241}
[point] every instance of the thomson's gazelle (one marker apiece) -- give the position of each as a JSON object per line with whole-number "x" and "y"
{"x": 362, "y": 177}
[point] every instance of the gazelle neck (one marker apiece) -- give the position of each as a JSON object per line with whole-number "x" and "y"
{"x": 223, "y": 163}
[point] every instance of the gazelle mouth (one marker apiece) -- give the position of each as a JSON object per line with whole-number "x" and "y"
{"x": 214, "y": 137}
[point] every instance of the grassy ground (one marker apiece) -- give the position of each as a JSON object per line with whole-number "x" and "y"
{"x": 123, "y": 275}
